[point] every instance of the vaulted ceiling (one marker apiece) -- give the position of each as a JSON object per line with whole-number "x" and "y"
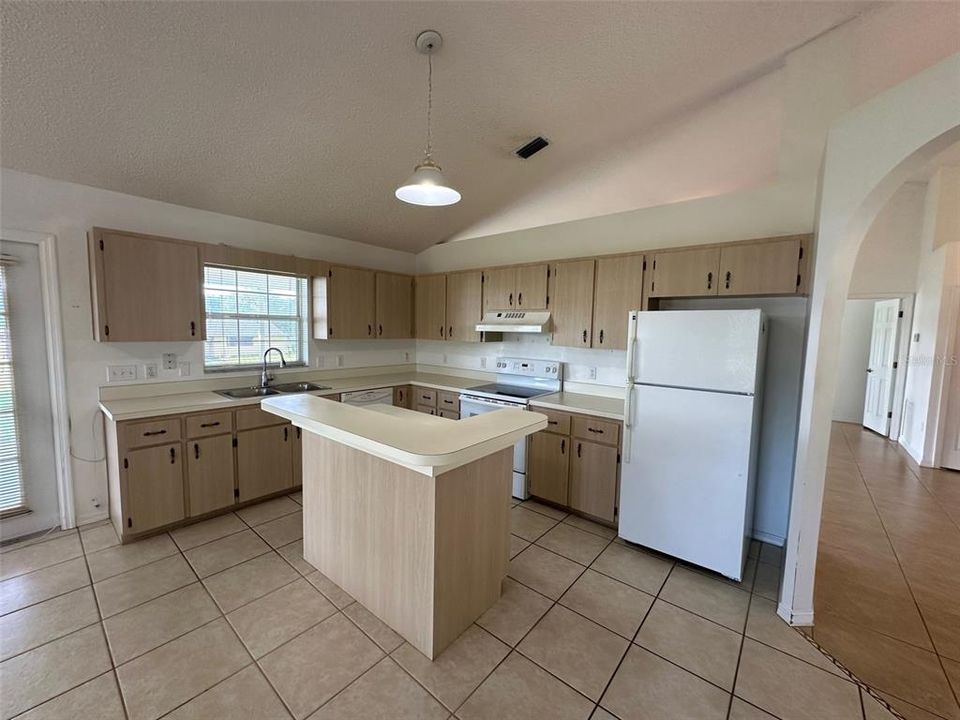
{"x": 308, "y": 114}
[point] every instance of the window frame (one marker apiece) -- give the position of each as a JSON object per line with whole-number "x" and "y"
{"x": 303, "y": 318}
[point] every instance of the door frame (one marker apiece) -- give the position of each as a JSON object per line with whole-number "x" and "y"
{"x": 951, "y": 367}
{"x": 56, "y": 369}
{"x": 904, "y": 331}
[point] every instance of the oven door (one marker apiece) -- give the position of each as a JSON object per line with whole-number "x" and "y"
{"x": 471, "y": 405}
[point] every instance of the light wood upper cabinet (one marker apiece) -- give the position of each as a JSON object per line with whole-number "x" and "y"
{"x": 264, "y": 461}
{"x": 394, "y": 305}
{"x": 145, "y": 288}
{"x": 210, "y": 473}
{"x": 152, "y": 481}
{"x": 346, "y": 297}
{"x": 685, "y": 273}
{"x": 431, "y": 305}
{"x": 499, "y": 288}
{"x": 464, "y": 306}
{"x": 548, "y": 465}
{"x": 765, "y": 268}
{"x": 532, "y": 287}
{"x": 571, "y": 303}
{"x": 619, "y": 289}
{"x": 593, "y": 479}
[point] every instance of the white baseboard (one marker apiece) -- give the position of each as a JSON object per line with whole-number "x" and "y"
{"x": 92, "y": 517}
{"x": 769, "y": 538}
{"x": 800, "y": 619}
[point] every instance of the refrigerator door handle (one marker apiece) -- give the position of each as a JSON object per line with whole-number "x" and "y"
{"x": 627, "y": 424}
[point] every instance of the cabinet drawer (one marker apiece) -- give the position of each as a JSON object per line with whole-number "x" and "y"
{"x": 448, "y": 401}
{"x": 425, "y": 396}
{"x": 450, "y": 414}
{"x": 248, "y": 418}
{"x": 151, "y": 432}
{"x": 429, "y": 410}
{"x": 597, "y": 430}
{"x": 209, "y": 424}
{"x": 557, "y": 422}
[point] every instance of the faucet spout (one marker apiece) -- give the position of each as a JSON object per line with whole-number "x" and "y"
{"x": 265, "y": 377}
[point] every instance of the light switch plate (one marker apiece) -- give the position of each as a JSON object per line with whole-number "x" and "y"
{"x": 121, "y": 373}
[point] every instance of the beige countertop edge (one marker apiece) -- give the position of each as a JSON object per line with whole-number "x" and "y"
{"x": 423, "y": 443}
{"x": 597, "y": 405}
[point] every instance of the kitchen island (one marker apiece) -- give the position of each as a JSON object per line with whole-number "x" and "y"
{"x": 407, "y": 512}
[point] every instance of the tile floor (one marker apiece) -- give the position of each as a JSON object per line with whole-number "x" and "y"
{"x": 224, "y": 619}
{"x": 887, "y": 601}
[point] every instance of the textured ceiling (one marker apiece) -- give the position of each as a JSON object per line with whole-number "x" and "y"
{"x": 308, "y": 114}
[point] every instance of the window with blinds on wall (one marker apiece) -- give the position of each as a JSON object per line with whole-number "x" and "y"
{"x": 249, "y": 311}
{"x": 12, "y": 498}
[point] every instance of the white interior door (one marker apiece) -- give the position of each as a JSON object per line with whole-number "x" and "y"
{"x": 880, "y": 370}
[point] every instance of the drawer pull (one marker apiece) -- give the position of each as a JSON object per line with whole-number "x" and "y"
{"x": 552, "y": 422}
{"x": 595, "y": 430}
{"x": 213, "y": 424}
{"x": 154, "y": 432}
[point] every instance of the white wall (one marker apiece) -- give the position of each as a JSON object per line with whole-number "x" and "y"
{"x": 854, "y": 354}
{"x": 67, "y": 210}
{"x": 938, "y": 273}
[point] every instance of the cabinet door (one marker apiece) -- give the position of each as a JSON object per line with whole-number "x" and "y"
{"x": 153, "y": 478}
{"x": 619, "y": 289}
{"x": 264, "y": 461}
{"x": 401, "y": 396}
{"x": 531, "y": 287}
{"x": 593, "y": 479}
{"x": 685, "y": 273}
{"x": 767, "y": 268}
{"x": 547, "y": 466}
{"x": 571, "y": 300}
{"x": 499, "y": 287}
{"x": 464, "y": 306}
{"x": 146, "y": 289}
{"x": 210, "y": 474}
{"x": 350, "y": 303}
{"x": 394, "y": 306}
{"x": 296, "y": 456}
{"x": 431, "y": 304}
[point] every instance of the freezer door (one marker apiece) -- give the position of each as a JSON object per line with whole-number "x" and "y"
{"x": 704, "y": 349}
{"x": 685, "y": 490}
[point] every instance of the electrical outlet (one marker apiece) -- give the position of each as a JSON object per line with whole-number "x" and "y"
{"x": 150, "y": 370}
{"x": 121, "y": 373}
{"x": 406, "y": 357}
{"x": 169, "y": 361}
{"x": 339, "y": 360}
{"x": 483, "y": 363}
{"x": 593, "y": 373}
{"x": 184, "y": 368}
{"x": 444, "y": 358}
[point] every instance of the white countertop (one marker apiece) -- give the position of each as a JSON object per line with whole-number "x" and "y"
{"x": 598, "y": 405}
{"x": 150, "y": 406}
{"x": 428, "y": 444}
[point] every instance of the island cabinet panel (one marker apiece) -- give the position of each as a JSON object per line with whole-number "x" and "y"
{"x": 152, "y": 481}
{"x": 619, "y": 289}
{"x": 766, "y": 268}
{"x": 349, "y": 304}
{"x": 548, "y": 466}
{"x": 264, "y": 461}
{"x": 145, "y": 288}
{"x": 394, "y": 305}
{"x": 571, "y": 303}
{"x": 430, "y": 296}
{"x": 464, "y": 306}
{"x": 210, "y": 474}
{"x": 593, "y": 479}
{"x": 531, "y": 287}
{"x": 499, "y": 289}
{"x": 685, "y": 273}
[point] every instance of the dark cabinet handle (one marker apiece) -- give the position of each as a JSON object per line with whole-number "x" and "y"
{"x": 510, "y": 301}
{"x": 154, "y": 432}
{"x": 519, "y": 299}
{"x": 552, "y": 422}
{"x": 193, "y": 328}
{"x": 579, "y": 447}
{"x": 298, "y": 433}
{"x": 709, "y": 280}
{"x": 369, "y": 330}
{"x": 563, "y": 446}
{"x": 727, "y": 280}
{"x": 173, "y": 455}
{"x": 213, "y": 424}
{"x": 380, "y": 329}
{"x": 285, "y": 434}
{"x": 601, "y": 336}
{"x": 584, "y": 336}
{"x": 450, "y": 332}
{"x": 196, "y": 451}
{"x": 595, "y": 430}
{"x": 441, "y": 331}
{"x": 330, "y": 332}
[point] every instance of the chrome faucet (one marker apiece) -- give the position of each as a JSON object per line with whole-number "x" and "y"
{"x": 266, "y": 377}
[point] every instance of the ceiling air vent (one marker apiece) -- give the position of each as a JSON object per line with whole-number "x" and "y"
{"x": 531, "y": 148}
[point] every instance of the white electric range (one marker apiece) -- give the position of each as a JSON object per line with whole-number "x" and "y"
{"x": 518, "y": 381}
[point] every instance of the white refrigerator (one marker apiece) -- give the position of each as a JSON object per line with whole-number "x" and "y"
{"x": 691, "y": 417}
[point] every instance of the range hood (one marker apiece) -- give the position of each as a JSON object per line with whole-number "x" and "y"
{"x": 515, "y": 321}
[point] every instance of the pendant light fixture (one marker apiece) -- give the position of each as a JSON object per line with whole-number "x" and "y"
{"x": 427, "y": 186}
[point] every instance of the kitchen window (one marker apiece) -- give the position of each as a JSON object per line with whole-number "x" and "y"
{"x": 249, "y": 311}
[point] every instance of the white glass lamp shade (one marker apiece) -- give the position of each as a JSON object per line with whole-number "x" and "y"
{"x": 427, "y": 186}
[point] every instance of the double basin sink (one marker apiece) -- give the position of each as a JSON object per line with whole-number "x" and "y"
{"x": 249, "y": 392}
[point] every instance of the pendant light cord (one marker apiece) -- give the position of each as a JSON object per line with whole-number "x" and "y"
{"x": 430, "y": 106}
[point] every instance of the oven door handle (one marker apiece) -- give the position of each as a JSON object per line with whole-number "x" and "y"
{"x": 492, "y": 404}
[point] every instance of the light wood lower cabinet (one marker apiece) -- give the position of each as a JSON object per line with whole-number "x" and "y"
{"x": 264, "y": 461}
{"x": 548, "y": 466}
{"x": 210, "y": 474}
{"x": 401, "y": 396}
{"x": 296, "y": 456}
{"x": 152, "y": 481}
{"x": 593, "y": 479}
